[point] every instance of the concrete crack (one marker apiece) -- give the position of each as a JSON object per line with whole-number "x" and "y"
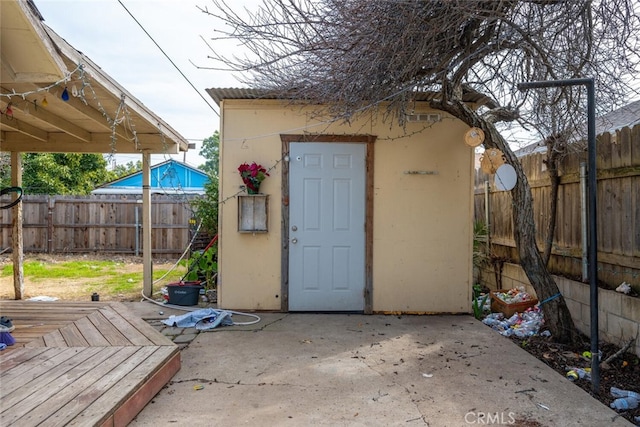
{"x": 234, "y": 383}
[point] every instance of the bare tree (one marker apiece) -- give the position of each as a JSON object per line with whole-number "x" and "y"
{"x": 352, "y": 55}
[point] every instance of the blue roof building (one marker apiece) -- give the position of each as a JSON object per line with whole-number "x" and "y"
{"x": 169, "y": 177}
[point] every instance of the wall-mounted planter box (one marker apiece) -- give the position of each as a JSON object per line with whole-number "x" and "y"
{"x": 252, "y": 213}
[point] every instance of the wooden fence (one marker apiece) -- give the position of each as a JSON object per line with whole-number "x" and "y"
{"x": 101, "y": 223}
{"x": 618, "y": 210}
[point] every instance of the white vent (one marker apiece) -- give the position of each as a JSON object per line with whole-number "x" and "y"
{"x": 423, "y": 117}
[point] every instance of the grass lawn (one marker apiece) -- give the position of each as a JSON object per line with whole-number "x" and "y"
{"x": 77, "y": 277}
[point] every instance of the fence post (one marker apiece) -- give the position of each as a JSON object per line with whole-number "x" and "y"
{"x": 50, "y": 206}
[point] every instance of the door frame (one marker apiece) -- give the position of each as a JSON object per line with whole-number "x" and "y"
{"x": 368, "y": 209}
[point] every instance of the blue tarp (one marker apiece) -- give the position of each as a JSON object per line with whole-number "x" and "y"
{"x": 207, "y": 318}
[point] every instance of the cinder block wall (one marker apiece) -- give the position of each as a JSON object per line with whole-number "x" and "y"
{"x": 618, "y": 314}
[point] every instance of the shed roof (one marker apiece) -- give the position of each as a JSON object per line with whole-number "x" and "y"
{"x": 219, "y": 94}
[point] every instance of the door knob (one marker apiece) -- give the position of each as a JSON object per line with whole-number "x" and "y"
{"x": 294, "y": 240}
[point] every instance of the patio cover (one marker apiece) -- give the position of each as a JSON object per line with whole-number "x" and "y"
{"x": 94, "y": 115}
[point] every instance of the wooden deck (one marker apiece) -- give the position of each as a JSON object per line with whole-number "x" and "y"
{"x": 85, "y": 364}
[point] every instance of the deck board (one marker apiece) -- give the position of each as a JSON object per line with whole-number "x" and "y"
{"x": 80, "y": 364}
{"x": 90, "y": 333}
{"x": 109, "y": 332}
{"x": 128, "y": 410}
{"x": 133, "y": 334}
{"x": 127, "y": 362}
{"x": 52, "y": 339}
{"x": 22, "y": 406}
{"x": 13, "y": 358}
{"x": 72, "y": 336}
{"x": 19, "y": 379}
{"x": 139, "y": 324}
{"x": 78, "y": 381}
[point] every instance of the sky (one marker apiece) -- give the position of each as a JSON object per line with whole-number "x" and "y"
{"x": 106, "y": 33}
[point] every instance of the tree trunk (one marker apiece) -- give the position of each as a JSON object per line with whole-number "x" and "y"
{"x": 552, "y": 169}
{"x": 556, "y": 145}
{"x": 556, "y": 313}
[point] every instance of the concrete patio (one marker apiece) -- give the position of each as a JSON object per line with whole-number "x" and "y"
{"x": 356, "y": 370}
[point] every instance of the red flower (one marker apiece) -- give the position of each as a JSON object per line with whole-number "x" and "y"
{"x": 252, "y": 175}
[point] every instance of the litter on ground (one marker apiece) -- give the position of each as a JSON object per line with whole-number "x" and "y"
{"x": 42, "y": 298}
{"x": 521, "y": 325}
{"x": 514, "y": 295}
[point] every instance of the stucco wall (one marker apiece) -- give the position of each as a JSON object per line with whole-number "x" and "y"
{"x": 422, "y": 224}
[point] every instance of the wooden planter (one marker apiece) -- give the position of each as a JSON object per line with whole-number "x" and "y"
{"x": 499, "y": 306}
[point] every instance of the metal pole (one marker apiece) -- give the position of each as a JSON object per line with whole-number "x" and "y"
{"x": 593, "y": 235}
{"x": 592, "y": 182}
{"x": 584, "y": 228}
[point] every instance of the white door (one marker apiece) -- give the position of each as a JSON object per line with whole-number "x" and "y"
{"x": 326, "y": 226}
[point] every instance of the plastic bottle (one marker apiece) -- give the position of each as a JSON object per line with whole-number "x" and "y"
{"x": 490, "y": 321}
{"x": 624, "y": 403}
{"x": 618, "y": 392}
{"x": 574, "y": 374}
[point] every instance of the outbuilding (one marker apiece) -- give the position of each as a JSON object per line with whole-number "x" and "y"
{"x": 362, "y": 215}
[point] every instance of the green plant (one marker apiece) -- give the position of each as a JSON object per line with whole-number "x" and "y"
{"x": 477, "y": 290}
{"x": 477, "y": 304}
{"x": 207, "y": 206}
{"x": 204, "y": 267}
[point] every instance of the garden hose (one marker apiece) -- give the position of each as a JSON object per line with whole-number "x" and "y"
{"x": 8, "y": 190}
{"x": 183, "y": 308}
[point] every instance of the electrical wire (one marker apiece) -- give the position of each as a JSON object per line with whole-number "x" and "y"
{"x": 168, "y": 58}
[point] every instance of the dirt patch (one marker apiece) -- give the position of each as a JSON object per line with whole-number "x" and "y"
{"x": 623, "y": 372}
{"x": 81, "y": 289}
